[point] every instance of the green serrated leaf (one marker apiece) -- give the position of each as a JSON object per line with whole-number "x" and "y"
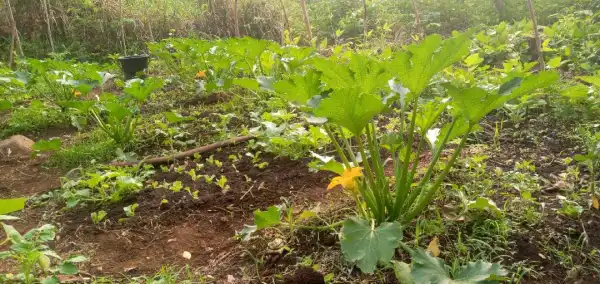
{"x": 476, "y": 272}
{"x": 428, "y": 269}
{"x": 594, "y": 80}
{"x": 475, "y": 102}
{"x": 367, "y": 245}
{"x": 269, "y": 218}
{"x": 482, "y": 203}
{"x": 247, "y": 83}
{"x": 300, "y": 87}
{"x": 507, "y": 87}
{"x": 576, "y": 92}
{"x": 416, "y": 67}
{"x": 350, "y": 109}
{"x": 555, "y": 62}
{"x": 47, "y": 145}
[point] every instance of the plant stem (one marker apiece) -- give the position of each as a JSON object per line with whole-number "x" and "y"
{"x": 436, "y": 156}
{"x": 401, "y": 188}
{"x": 424, "y": 201}
{"x": 337, "y": 147}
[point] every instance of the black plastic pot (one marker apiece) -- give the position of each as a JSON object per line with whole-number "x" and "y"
{"x": 131, "y": 65}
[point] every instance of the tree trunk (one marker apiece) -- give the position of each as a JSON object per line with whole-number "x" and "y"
{"x": 15, "y": 32}
{"x": 306, "y": 20}
{"x": 418, "y": 26}
{"x": 122, "y": 27}
{"x": 366, "y": 25}
{"x": 48, "y": 24}
{"x": 148, "y": 21}
{"x": 536, "y": 34}
{"x": 236, "y": 23}
{"x": 11, "y": 52}
{"x": 285, "y": 16}
{"x": 499, "y": 4}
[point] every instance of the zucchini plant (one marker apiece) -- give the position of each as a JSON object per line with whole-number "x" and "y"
{"x": 347, "y": 94}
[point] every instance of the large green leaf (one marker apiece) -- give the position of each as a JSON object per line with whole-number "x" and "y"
{"x": 5, "y": 105}
{"x": 12, "y": 205}
{"x": 350, "y": 109}
{"x": 415, "y": 67}
{"x": 140, "y": 90}
{"x": 117, "y": 111}
{"x": 534, "y": 82}
{"x": 47, "y": 145}
{"x": 335, "y": 75}
{"x": 475, "y": 102}
{"x": 269, "y": 218}
{"x": 427, "y": 269}
{"x": 369, "y": 74}
{"x": 250, "y": 84}
{"x": 576, "y": 92}
{"x": 476, "y": 272}
{"x": 299, "y": 88}
{"x": 366, "y": 245}
{"x": 594, "y": 80}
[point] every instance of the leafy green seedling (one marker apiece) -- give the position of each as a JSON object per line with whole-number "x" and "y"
{"x": 97, "y": 217}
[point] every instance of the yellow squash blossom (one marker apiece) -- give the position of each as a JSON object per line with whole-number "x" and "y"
{"x": 76, "y": 93}
{"x": 347, "y": 179}
{"x": 201, "y": 74}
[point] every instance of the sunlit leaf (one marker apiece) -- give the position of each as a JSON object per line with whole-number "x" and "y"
{"x": 12, "y": 205}
{"x": 594, "y": 80}
{"x": 47, "y": 145}
{"x": 266, "y": 219}
{"x": 350, "y": 109}
{"x": 300, "y": 87}
{"x": 416, "y": 67}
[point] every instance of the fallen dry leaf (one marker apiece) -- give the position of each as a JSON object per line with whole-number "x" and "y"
{"x": 433, "y": 247}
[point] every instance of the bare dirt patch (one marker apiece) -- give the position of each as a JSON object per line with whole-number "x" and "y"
{"x": 160, "y": 233}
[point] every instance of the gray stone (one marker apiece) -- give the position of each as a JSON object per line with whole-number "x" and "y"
{"x": 17, "y": 145}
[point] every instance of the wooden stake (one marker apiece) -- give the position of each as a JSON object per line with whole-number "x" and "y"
{"x": 536, "y": 34}
{"x": 148, "y": 21}
{"x": 15, "y": 32}
{"x": 420, "y": 29}
{"x": 236, "y": 24}
{"x": 306, "y": 21}
{"x": 45, "y": 6}
{"x": 11, "y": 51}
{"x": 122, "y": 27}
{"x": 366, "y": 26}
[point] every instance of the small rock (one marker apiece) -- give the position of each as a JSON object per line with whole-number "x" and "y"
{"x": 17, "y": 145}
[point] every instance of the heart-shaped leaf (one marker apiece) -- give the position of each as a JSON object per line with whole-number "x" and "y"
{"x": 366, "y": 245}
